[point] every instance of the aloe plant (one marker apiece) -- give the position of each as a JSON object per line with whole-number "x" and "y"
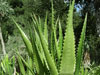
{"x": 60, "y": 58}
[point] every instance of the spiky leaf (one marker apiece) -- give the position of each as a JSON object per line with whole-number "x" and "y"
{"x": 45, "y": 28}
{"x": 60, "y": 43}
{"x": 31, "y": 51}
{"x": 49, "y": 59}
{"x": 26, "y": 40}
{"x": 21, "y": 65}
{"x": 80, "y": 48}
{"x": 26, "y": 64}
{"x": 68, "y": 55}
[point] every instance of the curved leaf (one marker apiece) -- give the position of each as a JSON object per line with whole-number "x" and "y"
{"x": 26, "y": 40}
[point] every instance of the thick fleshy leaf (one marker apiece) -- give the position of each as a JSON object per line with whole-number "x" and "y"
{"x": 79, "y": 55}
{"x": 49, "y": 59}
{"x": 26, "y": 64}
{"x": 40, "y": 49}
{"x": 31, "y": 50}
{"x": 21, "y": 65}
{"x": 52, "y": 33}
{"x": 37, "y": 58}
{"x": 45, "y": 28}
{"x": 56, "y": 45}
{"x": 60, "y": 42}
{"x": 68, "y": 55}
{"x": 44, "y": 44}
{"x": 30, "y": 62}
{"x": 26, "y": 40}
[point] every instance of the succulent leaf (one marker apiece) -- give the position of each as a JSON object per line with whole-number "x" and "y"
{"x": 79, "y": 55}
{"x": 68, "y": 55}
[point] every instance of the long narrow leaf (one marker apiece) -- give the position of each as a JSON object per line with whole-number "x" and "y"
{"x": 80, "y": 48}
{"x": 22, "y": 69}
{"x": 31, "y": 50}
{"x": 60, "y": 43}
{"x": 45, "y": 28}
{"x": 49, "y": 59}
{"x": 37, "y": 58}
{"x": 68, "y": 55}
{"x": 26, "y": 64}
{"x": 26, "y": 40}
{"x": 52, "y": 32}
{"x": 56, "y": 45}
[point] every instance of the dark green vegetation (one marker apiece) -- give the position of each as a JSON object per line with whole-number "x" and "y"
{"x": 57, "y": 42}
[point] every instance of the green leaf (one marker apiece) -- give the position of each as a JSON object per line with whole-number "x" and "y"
{"x": 26, "y": 40}
{"x": 60, "y": 42}
{"x": 22, "y": 69}
{"x": 52, "y": 33}
{"x": 68, "y": 55}
{"x": 45, "y": 28}
{"x": 79, "y": 55}
{"x": 40, "y": 49}
{"x": 3, "y": 67}
{"x": 30, "y": 62}
{"x": 49, "y": 59}
{"x": 26, "y": 64}
{"x": 52, "y": 45}
{"x": 44, "y": 44}
{"x": 56, "y": 45}
{"x": 52, "y": 15}
{"x": 37, "y": 58}
{"x": 32, "y": 51}
{"x": 6, "y": 66}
